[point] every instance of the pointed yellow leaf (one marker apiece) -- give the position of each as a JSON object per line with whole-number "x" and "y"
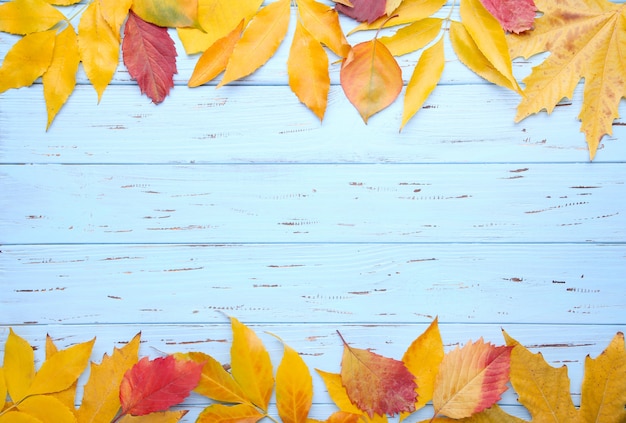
{"x": 168, "y": 13}
{"x": 19, "y": 366}
{"x": 409, "y": 11}
{"x": 101, "y": 402}
{"x": 99, "y": 48}
{"x": 28, "y": 16}
{"x": 251, "y": 365}
{"x": 423, "y": 358}
{"x": 213, "y": 61}
{"x": 307, "y": 66}
{"x": 391, "y": 6}
{"x": 60, "y": 78}
{"x": 471, "y": 56}
{"x": 413, "y": 37}
{"x": 27, "y": 60}
{"x": 3, "y": 389}
{"x": 219, "y": 413}
{"x": 604, "y": 385}
{"x": 215, "y": 382}
{"x": 489, "y": 37}
{"x": 61, "y": 370}
{"x": 158, "y": 417}
{"x": 219, "y": 17}
{"x": 294, "y": 387}
{"x": 426, "y": 75}
{"x": 51, "y": 348}
{"x": 259, "y": 42}
{"x": 67, "y": 396}
{"x": 323, "y": 23}
{"x": 194, "y": 40}
{"x": 542, "y": 389}
{"x": 115, "y": 12}
{"x": 18, "y": 417}
{"x": 48, "y": 409}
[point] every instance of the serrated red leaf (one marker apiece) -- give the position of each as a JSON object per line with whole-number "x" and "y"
{"x": 156, "y": 385}
{"x": 514, "y": 15}
{"x": 150, "y": 56}
{"x": 363, "y": 10}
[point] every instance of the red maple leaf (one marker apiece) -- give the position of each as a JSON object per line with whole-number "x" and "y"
{"x": 514, "y": 15}
{"x": 150, "y": 56}
{"x": 156, "y": 385}
{"x": 363, "y": 10}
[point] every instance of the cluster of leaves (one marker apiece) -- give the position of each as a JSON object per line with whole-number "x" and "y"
{"x": 463, "y": 384}
{"x": 585, "y": 37}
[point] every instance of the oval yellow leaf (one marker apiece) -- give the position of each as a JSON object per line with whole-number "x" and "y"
{"x": 370, "y": 78}
{"x": 259, "y": 42}
{"x": 218, "y": 17}
{"x": 47, "y": 409}
{"x": 28, "y": 16}
{"x": 323, "y": 24}
{"x": 307, "y": 66}
{"x": 413, "y": 37}
{"x": 294, "y": 387}
{"x": 18, "y": 365}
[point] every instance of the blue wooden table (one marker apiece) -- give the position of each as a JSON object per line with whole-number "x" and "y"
{"x": 128, "y": 217}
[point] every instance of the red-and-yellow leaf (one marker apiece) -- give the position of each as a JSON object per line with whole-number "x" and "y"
{"x": 219, "y": 17}
{"x": 27, "y": 60}
{"x": 426, "y": 75}
{"x": 251, "y": 365}
{"x": 259, "y": 42}
{"x": 471, "y": 379}
{"x": 308, "y": 71}
{"x": 370, "y": 78}
{"x": 322, "y": 22}
{"x": 28, "y": 16}
{"x": 18, "y": 365}
{"x": 115, "y": 12}
{"x": 363, "y": 10}
{"x": 99, "y": 48}
{"x": 413, "y": 37}
{"x": 150, "y": 56}
{"x": 294, "y": 387}
{"x": 214, "y": 60}
{"x": 220, "y": 413}
{"x": 59, "y": 79}
{"x": 168, "y": 13}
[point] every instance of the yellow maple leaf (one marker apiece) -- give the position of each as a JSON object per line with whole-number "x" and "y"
{"x": 28, "y": 16}
{"x": 586, "y": 39}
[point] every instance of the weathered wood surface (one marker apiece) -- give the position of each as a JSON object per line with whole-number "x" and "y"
{"x": 129, "y": 217}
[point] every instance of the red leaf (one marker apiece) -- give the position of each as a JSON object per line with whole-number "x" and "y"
{"x": 514, "y": 15}
{"x": 150, "y": 56}
{"x": 363, "y": 10}
{"x": 156, "y": 385}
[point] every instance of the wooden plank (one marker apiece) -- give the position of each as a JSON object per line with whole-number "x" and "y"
{"x": 505, "y": 283}
{"x": 312, "y": 203}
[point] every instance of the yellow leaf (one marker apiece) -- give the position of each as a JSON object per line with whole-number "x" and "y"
{"x": 99, "y": 48}
{"x": 409, "y": 11}
{"x": 215, "y": 382}
{"x": 423, "y": 358}
{"x": 542, "y": 389}
{"x": 101, "y": 402}
{"x": 47, "y": 409}
{"x": 413, "y": 37}
{"x": 471, "y": 56}
{"x": 259, "y": 42}
{"x": 28, "y": 16}
{"x": 168, "y": 13}
{"x": 60, "y": 78}
{"x": 491, "y": 415}
{"x": 370, "y": 78}
{"x": 294, "y": 387}
{"x": 323, "y": 23}
{"x": 219, "y": 17}
{"x": 194, "y": 40}
{"x": 489, "y": 37}
{"x": 391, "y": 6}
{"x": 307, "y": 66}
{"x": 51, "y": 348}
{"x": 3, "y": 388}
{"x": 27, "y": 60}
{"x": 604, "y": 385}
{"x": 213, "y": 61}
{"x": 63, "y": 2}
{"x": 18, "y": 417}
{"x": 19, "y": 366}
{"x": 159, "y": 417}
{"x": 115, "y": 12}
{"x": 251, "y": 365}
{"x": 342, "y": 417}
{"x": 61, "y": 370}
{"x": 68, "y": 395}
{"x": 337, "y": 392}
{"x": 219, "y": 413}
{"x": 426, "y": 75}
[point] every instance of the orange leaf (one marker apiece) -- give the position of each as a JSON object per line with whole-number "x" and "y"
{"x": 294, "y": 387}
{"x": 343, "y": 417}
{"x": 323, "y": 23}
{"x": 370, "y": 78}
{"x": 377, "y": 384}
{"x": 219, "y": 413}
{"x": 308, "y": 71}
{"x": 156, "y": 385}
{"x": 471, "y": 379}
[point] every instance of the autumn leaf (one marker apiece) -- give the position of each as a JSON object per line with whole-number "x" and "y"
{"x": 343, "y": 417}
{"x": 471, "y": 379}
{"x": 66, "y": 396}
{"x": 101, "y": 400}
{"x": 370, "y": 78}
{"x": 514, "y": 15}
{"x": 18, "y": 417}
{"x": 294, "y": 387}
{"x": 604, "y": 385}
{"x": 251, "y": 365}
{"x": 259, "y": 41}
{"x": 413, "y": 37}
{"x": 585, "y": 40}
{"x": 337, "y": 392}
{"x": 18, "y": 365}
{"x": 218, "y": 18}
{"x": 542, "y": 389}
{"x": 27, "y": 16}
{"x": 156, "y": 385}
{"x": 323, "y": 24}
{"x": 159, "y": 417}
{"x": 494, "y": 414}
{"x": 3, "y": 387}
{"x": 47, "y": 409}
{"x": 168, "y": 13}
{"x": 150, "y": 56}
{"x": 307, "y": 67}
{"x": 220, "y": 413}
{"x": 408, "y": 12}
{"x": 115, "y": 12}
{"x": 377, "y": 384}
{"x": 363, "y": 10}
